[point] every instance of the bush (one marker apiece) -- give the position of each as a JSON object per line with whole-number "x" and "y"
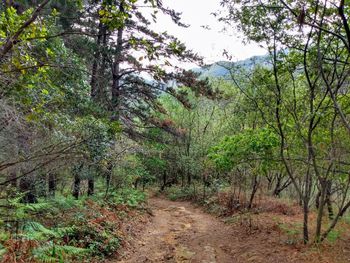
{"x": 101, "y": 239}
{"x": 177, "y": 193}
{"x": 128, "y": 196}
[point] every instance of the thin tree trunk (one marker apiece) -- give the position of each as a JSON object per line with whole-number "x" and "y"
{"x": 76, "y": 186}
{"x": 116, "y": 73}
{"x": 306, "y": 222}
{"x": 164, "y": 181}
{"x": 97, "y": 55}
{"x": 329, "y": 202}
{"x": 189, "y": 177}
{"x": 320, "y": 210}
{"x": 52, "y": 185}
{"x": 108, "y": 178}
{"x": 335, "y": 221}
{"x": 26, "y": 186}
{"x": 91, "y": 186}
{"x": 254, "y": 190}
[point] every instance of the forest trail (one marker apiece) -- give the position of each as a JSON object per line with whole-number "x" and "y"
{"x": 180, "y": 232}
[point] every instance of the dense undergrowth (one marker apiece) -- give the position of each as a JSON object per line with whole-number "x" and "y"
{"x": 223, "y": 200}
{"x": 64, "y": 229}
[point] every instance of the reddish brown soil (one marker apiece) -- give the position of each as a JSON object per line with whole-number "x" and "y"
{"x": 181, "y": 232}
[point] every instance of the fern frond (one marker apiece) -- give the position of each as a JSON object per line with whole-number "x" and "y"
{"x": 36, "y": 231}
{"x": 52, "y": 253}
{"x": 36, "y": 207}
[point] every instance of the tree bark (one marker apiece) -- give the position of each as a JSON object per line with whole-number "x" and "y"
{"x": 320, "y": 210}
{"x": 26, "y": 186}
{"x": 329, "y": 202}
{"x": 97, "y": 55}
{"x": 254, "y": 190}
{"x": 164, "y": 181}
{"x": 91, "y": 186}
{"x": 76, "y": 186}
{"x": 116, "y": 73}
{"x": 52, "y": 185}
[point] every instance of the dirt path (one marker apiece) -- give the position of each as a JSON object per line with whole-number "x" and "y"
{"x": 179, "y": 232}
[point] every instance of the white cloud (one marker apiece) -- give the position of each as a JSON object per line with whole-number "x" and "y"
{"x": 208, "y": 43}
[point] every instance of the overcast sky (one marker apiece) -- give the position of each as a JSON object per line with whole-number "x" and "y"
{"x": 208, "y": 43}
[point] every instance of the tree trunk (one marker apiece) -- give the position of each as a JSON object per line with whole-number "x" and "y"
{"x": 108, "y": 178}
{"x": 96, "y": 60}
{"x": 329, "y": 207}
{"x": 328, "y": 200}
{"x": 52, "y": 185}
{"x": 277, "y": 191}
{"x": 136, "y": 183}
{"x": 254, "y": 190}
{"x": 182, "y": 179}
{"x": 306, "y": 221}
{"x": 116, "y": 73}
{"x": 26, "y": 186}
{"x": 335, "y": 221}
{"x": 76, "y": 186}
{"x": 317, "y": 200}
{"x": 189, "y": 177}
{"x": 320, "y": 210}
{"x": 91, "y": 186}
{"x": 164, "y": 181}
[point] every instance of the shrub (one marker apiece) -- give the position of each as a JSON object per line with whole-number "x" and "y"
{"x": 129, "y": 196}
{"x": 185, "y": 193}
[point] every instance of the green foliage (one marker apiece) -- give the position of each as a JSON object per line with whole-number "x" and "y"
{"x": 333, "y": 236}
{"x": 58, "y": 253}
{"x": 11, "y": 22}
{"x": 132, "y": 171}
{"x": 38, "y": 232}
{"x": 155, "y": 164}
{"x": 181, "y": 193}
{"x": 2, "y": 250}
{"x": 71, "y": 229}
{"x": 128, "y": 196}
{"x": 293, "y": 232}
{"x": 249, "y": 145}
{"x": 98, "y": 240}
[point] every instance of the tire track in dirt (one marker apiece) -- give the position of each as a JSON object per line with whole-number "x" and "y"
{"x": 179, "y": 232}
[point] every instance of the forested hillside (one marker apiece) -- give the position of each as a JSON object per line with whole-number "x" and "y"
{"x": 222, "y": 69}
{"x": 106, "y": 139}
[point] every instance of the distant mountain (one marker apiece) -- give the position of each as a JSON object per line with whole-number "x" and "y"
{"x": 221, "y": 68}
